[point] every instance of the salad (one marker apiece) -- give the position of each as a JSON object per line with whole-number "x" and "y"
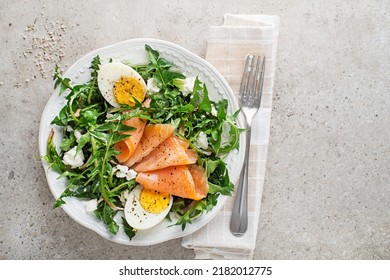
{"x": 144, "y": 141}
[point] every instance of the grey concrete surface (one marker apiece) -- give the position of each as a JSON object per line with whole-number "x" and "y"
{"x": 327, "y": 188}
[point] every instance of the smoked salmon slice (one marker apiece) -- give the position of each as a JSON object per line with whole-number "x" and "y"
{"x": 153, "y": 135}
{"x": 198, "y": 174}
{"x": 171, "y": 152}
{"x": 127, "y": 146}
{"x": 183, "y": 181}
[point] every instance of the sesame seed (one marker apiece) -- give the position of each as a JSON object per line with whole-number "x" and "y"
{"x": 43, "y": 42}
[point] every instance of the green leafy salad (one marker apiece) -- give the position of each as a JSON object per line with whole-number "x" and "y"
{"x": 97, "y": 127}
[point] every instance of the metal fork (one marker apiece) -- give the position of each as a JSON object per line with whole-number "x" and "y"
{"x": 250, "y": 99}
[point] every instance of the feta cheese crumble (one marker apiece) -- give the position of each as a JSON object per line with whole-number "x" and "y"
{"x": 201, "y": 141}
{"x": 151, "y": 86}
{"x": 188, "y": 86}
{"x": 109, "y": 115}
{"x": 77, "y": 135}
{"x": 124, "y": 196}
{"x": 122, "y": 171}
{"x": 73, "y": 158}
{"x": 214, "y": 111}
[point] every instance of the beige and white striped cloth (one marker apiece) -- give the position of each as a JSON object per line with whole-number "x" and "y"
{"x": 227, "y": 47}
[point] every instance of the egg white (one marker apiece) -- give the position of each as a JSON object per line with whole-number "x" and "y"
{"x": 109, "y": 73}
{"x": 136, "y": 216}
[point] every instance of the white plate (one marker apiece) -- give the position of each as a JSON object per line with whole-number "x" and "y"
{"x": 134, "y": 52}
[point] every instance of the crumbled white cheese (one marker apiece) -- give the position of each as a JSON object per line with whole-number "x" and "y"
{"x": 122, "y": 171}
{"x": 124, "y": 196}
{"x": 213, "y": 111}
{"x": 151, "y": 86}
{"x": 188, "y": 86}
{"x": 73, "y": 159}
{"x": 201, "y": 141}
{"x": 77, "y": 135}
{"x": 91, "y": 205}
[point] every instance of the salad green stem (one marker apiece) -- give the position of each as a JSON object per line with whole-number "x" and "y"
{"x": 103, "y": 184}
{"x": 91, "y": 90}
{"x": 119, "y": 187}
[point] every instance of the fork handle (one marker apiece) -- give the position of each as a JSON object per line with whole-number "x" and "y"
{"x": 239, "y": 219}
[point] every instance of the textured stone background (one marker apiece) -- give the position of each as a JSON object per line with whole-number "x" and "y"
{"x": 327, "y": 188}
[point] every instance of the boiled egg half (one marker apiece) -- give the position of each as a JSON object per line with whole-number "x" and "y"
{"x": 120, "y": 84}
{"x": 146, "y": 208}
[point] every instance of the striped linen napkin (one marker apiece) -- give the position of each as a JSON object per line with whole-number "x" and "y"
{"x": 227, "y": 48}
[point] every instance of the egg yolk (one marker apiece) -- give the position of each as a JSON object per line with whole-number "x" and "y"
{"x": 154, "y": 201}
{"x": 128, "y": 88}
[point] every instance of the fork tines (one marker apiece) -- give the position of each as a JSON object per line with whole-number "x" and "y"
{"x": 252, "y": 80}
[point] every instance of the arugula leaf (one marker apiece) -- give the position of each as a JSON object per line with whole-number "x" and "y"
{"x": 64, "y": 83}
{"x": 163, "y": 76}
{"x": 88, "y": 117}
{"x": 106, "y": 214}
{"x": 62, "y": 119}
{"x": 68, "y": 142}
{"x": 52, "y": 157}
{"x": 68, "y": 192}
{"x": 205, "y": 104}
{"x": 200, "y": 97}
{"x": 168, "y": 76}
{"x": 130, "y": 231}
{"x": 84, "y": 140}
{"x": 93, "y": 93}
